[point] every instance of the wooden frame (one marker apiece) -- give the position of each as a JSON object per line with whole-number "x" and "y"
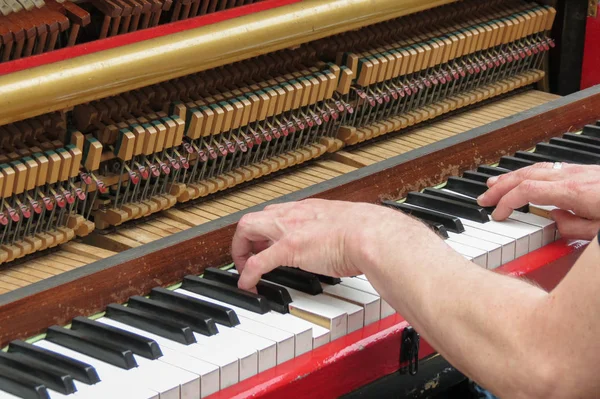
{"x": 86, "y": 290}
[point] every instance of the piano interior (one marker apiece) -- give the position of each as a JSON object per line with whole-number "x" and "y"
{"x": 124, "y": 176}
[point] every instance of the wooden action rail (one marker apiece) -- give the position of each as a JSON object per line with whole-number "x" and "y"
{"x": 166, "y": 260}
{"x": 132, "y": 155}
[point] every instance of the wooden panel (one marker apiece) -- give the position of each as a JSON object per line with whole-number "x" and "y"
{"x": 89, "y": 289}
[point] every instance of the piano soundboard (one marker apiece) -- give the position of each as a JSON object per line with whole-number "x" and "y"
{"x": 414, "y": 112}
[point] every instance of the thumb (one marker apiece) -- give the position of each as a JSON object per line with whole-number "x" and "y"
{"x": 572, "y": 226}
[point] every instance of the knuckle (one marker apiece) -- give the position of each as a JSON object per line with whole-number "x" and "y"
{"x": 246, "y": 220}
{"x": 573, "y": 187}
{"x": 528, "y": 185}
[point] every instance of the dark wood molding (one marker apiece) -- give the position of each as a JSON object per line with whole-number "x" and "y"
{"x": 87, "y": 290}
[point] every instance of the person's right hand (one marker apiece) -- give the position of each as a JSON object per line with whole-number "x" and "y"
{"x": 574, "y": 188}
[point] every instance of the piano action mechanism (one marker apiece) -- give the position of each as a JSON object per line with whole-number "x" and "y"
{"x": 136, "y": 161}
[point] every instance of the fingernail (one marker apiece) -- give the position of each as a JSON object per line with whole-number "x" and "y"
{"x": 492, "y": 180}
{"x": 480, "y": 198}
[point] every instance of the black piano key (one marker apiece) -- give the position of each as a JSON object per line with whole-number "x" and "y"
{"x": 568, "y": 154}
{"x": 220, "y": 314}
{"x": 138, "y": 344}
{"x": 576, "y": 145}
{"x": 50, "y": 376}
{"x": 153, "y": 324}
{"x": 582, "y": 139}
{"x": 476, "y": 176}
{"x": 514, "y": 163}
{"x": 80, "y": 371}
{"x": 74, "y": 340}
{"x": 328, "y": 279}
{"x": 492, "y": 170}
{"x": 464, "y": 186}
{"x": 279, "y": 298}
{"x": 438, "y": 228}
{"x": 21, "y": 384}
{"x": 467, "y": 200}
{"x": 537, "y": 157}
{"x": 451, "y": 223}
{"x": 296, "y": 279}
{"x": 448, "y": 206}
{"x": 591, "y": 130}
{"x": 198, "y": 322}
{"x": 225, "y": 293}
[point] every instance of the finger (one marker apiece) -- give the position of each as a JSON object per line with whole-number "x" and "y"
{"x": 259, "y": 246}
{"x": 509, "y": 181}
{"x": 533, "y": 191}
{"x": 573, "y": 226}
{"x": 259, "y": 264}
{"x": 253, "y": 227}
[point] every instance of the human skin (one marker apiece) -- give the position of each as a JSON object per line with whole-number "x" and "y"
{"x": 511, "y": 337}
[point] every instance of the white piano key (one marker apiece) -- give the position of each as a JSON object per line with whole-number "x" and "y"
{"x": 126, "y": 382}
{"x": 249, "y": 323}
{"x": 478, "y": 256}
{"x": 494, "y": 251}
{"x": 308, "y": 335}
{"x": 208, "y": 382}
{"x": 322, "y": 311}
{"x": 513, "y": 230}
{"x": 225, "y": 360}
{"x": 548, "y": 226}
{"x": 6, "y": 395}
{"x": 508, "y": 244}
{"x": 365, "y": 286}
{"x": 266, "y": 350}
{"x": 520, "y": 232}
{"x": 168, "y": 375}
{"x": 371, "y": 304}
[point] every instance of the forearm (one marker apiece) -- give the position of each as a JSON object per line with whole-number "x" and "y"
{"x": 482, "y": 322}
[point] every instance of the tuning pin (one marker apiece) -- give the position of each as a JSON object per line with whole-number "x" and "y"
{"x": 3, "y": 219}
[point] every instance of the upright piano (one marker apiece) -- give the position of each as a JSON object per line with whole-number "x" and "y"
{"x": 136, "y": 133}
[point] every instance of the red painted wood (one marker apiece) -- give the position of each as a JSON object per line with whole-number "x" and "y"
{"x": 373, "y": 352}
{"x": 591, "y": 54}
{"x": 138, "y": 36}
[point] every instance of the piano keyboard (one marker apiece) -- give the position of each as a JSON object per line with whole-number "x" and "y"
{"x": 205, "y": 334}
{"x": 29, "y": 27}
{"x": 67, "y": 174}
{"x": 99, "y": 246}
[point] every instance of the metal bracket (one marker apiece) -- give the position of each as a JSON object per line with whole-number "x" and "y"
{"x": 593, "y": 8}
{"x": 409, "y": 351}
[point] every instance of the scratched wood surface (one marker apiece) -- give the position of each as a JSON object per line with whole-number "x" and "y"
{"x": 89, "y": 289}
